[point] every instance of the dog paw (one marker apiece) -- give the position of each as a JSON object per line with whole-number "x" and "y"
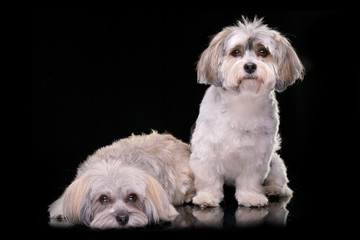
{"x": 277, "y": 190}
{"x": 205, "y": 200}
{"x": 250, "y": 199}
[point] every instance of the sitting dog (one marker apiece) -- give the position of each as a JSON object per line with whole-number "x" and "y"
{"x": 236, "y": 135}
{"x": 130, "y": 183}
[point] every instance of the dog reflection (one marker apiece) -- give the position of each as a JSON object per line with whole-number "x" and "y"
{"x": 275, "y": 214}
{"x": 195, "y": 217}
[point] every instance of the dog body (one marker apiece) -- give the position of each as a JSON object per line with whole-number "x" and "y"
{"x": 236, "y": 135}
{"x": 130, "y": 183}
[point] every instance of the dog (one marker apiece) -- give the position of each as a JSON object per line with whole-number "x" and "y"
{"x": 131, "y": 183}
{"x": 235, "y": 140}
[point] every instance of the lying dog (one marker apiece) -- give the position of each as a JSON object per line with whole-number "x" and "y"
{"x": 130, "y": 183}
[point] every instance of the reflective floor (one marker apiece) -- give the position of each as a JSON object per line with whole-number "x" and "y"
{"x": 232, "y": 216}
{"x": 227, "y": 216}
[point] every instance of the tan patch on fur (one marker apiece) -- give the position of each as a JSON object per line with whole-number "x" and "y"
{"x": 159, "y": 200}
{"x": 211, "y": 58}
{"x": 74, "y": 196}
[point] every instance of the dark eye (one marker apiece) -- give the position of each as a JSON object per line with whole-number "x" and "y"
{"x": 263, "y": 52}
{"x": 104, "y": 199}
{"x": 132, "y": 197}
{"x": 236, "y": 53}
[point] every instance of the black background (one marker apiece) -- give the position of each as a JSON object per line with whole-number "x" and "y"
{"x": 98, "y": 77}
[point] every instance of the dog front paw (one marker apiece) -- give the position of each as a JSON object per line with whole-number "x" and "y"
{"x": 277, "y": 190}
{"x": 250, "y": 199}
{"x": 204, "y": 200}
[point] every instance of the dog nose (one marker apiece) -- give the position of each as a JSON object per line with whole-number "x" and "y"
{"x": 122, "y": 219}
{"x": 250, "y": 67}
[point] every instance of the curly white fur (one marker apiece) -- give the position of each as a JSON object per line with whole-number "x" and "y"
{"x": 236, "y": 135}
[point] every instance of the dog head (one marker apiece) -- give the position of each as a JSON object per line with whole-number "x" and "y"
{"x": 110, "y": 196}
{"x": 249, "y": 57}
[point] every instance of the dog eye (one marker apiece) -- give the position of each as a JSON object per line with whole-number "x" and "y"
{"x": 104, "y": 199}
{"x": 132, "y": 197}
{"x": 263, "y": 52}
{"x": 236, "y": 53}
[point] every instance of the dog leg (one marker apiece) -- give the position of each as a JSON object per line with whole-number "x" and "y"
{"x": 249, "y": 190}
{"x": 209, "y": 187}
{"x": 276, "y": 181}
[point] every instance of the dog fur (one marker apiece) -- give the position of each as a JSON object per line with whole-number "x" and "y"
{"x": 130, "y": 183}
{"x": 236, "y": 135}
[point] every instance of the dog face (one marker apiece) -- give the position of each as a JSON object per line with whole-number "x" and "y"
{"x": 249, "y": 57}
{"x": 110, "y": 197}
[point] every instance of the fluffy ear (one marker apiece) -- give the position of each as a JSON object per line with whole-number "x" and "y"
{"x": 73, "y": 207}
{"x": 289, "y": 66}
{"x": 210, "y": 60}
{"x": 57, "y": 214}
{"x": 157, "y": 204}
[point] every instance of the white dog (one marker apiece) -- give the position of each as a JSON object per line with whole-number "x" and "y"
{"x": 131, "y": 183}
{"x": 236, "y": 135}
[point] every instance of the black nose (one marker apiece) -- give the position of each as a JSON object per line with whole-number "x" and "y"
{"x": 250, "y": 67}
{"x": 122, "y": 219}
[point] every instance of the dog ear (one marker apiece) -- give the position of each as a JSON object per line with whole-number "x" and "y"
{"x": 56, "y": 211}
{"x": 289, "y": 66}
{"x": 73, "y": 207}
{"x": 210, "y": 60}
{"x": 157, "y": 204}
